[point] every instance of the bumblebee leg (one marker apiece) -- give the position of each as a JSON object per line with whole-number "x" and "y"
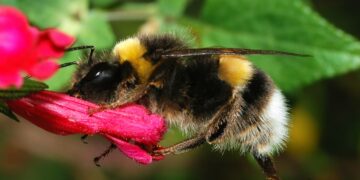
{"x": 124, "y": 98}
{"x": 92, "y": 49}
{"x": 102, "y": 107}
{"x": 182, "y": 147}
{"x": 127, "y": 97}
{"x": 104, "y": 154}
{"x": 216, "y": 129}
{"x": 267, "y": 166}
{"x": 213, "y": 132}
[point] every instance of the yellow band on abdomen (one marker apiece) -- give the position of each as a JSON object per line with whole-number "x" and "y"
{"x": 235, "y": 70}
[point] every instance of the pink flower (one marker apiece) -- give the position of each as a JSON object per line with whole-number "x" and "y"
{"x": 131, "y": 127}
{"x": 24, "y": 48}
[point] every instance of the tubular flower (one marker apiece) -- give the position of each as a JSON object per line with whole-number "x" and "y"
{"x": 131, "y": 127}
{"x": 24, "y": 48}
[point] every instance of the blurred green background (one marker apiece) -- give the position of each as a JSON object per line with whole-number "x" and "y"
{"x": 323, "y": 91}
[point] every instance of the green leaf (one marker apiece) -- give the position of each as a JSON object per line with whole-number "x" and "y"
{"x": 28, "y": 87}
{"x": 62, "y": 78}
{"x": 8, "y": 2}
{"x": 279, "y": 25}
{"x": 73, "y": 17}
{"x": 5, "y": 110}
{"x": 102, "y": 3}
{"x": 96, "y": 31}
{"x": 54, "y": 13}
{"x": 173, "y": 9}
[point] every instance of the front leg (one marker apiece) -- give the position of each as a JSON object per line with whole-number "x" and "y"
{"x": 127, "y": 95}
{"x": 124, "y": 97}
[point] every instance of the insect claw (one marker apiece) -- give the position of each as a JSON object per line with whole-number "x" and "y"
{"x": 84, "y": 138}
{"x": 93, "y": 111}
{"x": 96, "y": 161}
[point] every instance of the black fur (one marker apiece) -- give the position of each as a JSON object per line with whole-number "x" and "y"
{"x": 159, "y": 43}
{"x": 194, "y": 85}
{"x": 258, "y": 88}
{"x": 206, "y": 91}
{"x": 186, "y": 82}
{"x": 256, "y": 95}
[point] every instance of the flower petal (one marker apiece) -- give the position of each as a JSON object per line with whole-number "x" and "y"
{"x": 59, "y": 39}
{"x": 12, "y": 17}
{"x": 63, "y": 114}
{"x": 45, "y": 115}
{"x": 25, "y": 48}
{"x": 132, "y": 151}
{"x": 52, "y": 44}
{"x": 8, "y": 79}
{"x": 15, "y": 37}
{"x": 43, "y": 70}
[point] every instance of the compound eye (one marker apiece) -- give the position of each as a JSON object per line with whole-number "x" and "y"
{"x": 102, "y": 74}
{"x": 98, "y": 73}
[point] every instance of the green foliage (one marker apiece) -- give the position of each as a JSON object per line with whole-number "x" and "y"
{"x": 102, "y": 3}
{"x": 96, "y": 31}
{"x": 173, "y": 9}
{"x": 40, "y": 168}
{"x": 280, "y": 25}
{"x": 62, "y": 78}
{"x": 57, "y": 13}
{"x": 8, "y": 2}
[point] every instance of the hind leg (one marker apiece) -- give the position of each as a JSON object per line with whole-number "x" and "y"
{"x": 268, "y": 167}
{"x": 182, "y": 147}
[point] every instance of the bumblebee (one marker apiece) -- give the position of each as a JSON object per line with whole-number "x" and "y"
{"x": 215, "y": 95}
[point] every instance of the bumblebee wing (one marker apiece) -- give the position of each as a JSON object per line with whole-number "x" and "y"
{"x": 224, "y": 51}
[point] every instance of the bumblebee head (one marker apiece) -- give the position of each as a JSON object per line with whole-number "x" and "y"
{"x": 130, "y": 63}
{"x": 100, "y": 82}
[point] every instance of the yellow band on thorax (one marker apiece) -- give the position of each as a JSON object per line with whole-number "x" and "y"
{"x": 132, "y": 50}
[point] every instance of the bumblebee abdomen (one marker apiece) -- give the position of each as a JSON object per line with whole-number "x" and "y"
{"x": 213, "y": 80}
{"x": 268, "y": 131}
{"x": 261, "y": 123}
